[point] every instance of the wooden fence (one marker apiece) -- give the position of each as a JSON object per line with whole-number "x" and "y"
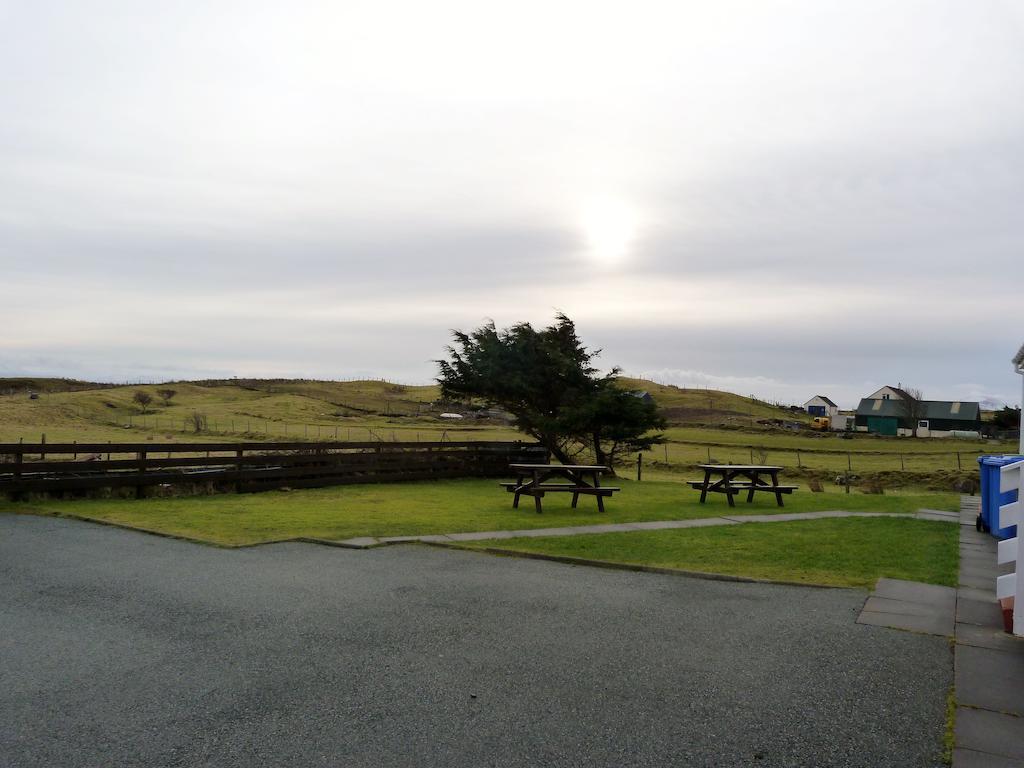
{"x": 57, "y": 468}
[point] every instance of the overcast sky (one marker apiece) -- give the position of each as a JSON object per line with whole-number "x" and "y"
{"x": 777, "y": 198}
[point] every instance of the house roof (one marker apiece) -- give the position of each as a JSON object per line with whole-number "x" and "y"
{"x": 827, "y": 400}
{"x": 933, "y": 409}
{"x": 953, "y": 411}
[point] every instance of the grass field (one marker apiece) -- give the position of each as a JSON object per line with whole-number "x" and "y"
{"x": 446, "y": 506}
{"x": 254, "y": 410}
{"x": 849, "y": 552}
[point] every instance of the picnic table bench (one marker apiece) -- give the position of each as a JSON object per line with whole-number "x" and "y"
{"x": 737, "y": 478}
{"x": 534, "y": 480}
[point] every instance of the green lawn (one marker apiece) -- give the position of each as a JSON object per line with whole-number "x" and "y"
{"x": 445, "y": 506}
{"x": 851, "y": 552}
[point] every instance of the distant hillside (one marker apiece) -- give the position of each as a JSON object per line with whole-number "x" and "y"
{"x": 67, "y": 410}
{"x": 709, "y": 406}
{"x": 11, "y": 386}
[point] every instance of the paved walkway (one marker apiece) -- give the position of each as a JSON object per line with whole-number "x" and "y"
{"x": 988, "y": 663}
{"x": 366, "y": 542}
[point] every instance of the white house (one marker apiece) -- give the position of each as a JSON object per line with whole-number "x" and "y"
{"x": 819, "y": 405}
{"x": 888, "y": 393}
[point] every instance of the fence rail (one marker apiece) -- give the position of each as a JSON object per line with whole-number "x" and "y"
{"x": 247, "y": 467}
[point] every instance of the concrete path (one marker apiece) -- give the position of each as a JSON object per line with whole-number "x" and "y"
{"x": 989, "y": 663}
{"x": 367, "y": 542}
{"x": 124, "y": 649}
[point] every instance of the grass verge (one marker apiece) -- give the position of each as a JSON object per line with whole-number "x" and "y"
{"x": 847, "y": 552}
{"x": 446, "y": 506}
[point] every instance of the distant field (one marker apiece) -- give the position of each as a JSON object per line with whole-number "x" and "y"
{"x": 706, "y": 424}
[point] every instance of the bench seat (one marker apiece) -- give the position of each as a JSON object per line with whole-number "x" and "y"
{"x": 604, "y": 490}
{"x": 737, "y": 487}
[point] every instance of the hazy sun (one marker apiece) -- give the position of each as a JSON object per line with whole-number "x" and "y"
{"x": 609, "y": 227}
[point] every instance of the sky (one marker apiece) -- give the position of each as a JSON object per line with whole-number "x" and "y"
{"x": 776, "y": 198}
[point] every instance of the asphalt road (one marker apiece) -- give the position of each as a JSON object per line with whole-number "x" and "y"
{"x": 120, "y": 649}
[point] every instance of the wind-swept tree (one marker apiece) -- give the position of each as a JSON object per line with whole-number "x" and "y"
{"x": 912, "y": 407}
{"x": 166, "y": 395}
{"x": 547, "y": 381}
{"x": 142, "y": 399}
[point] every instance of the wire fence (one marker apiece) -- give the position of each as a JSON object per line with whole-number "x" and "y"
{"x": 673, "y": 455}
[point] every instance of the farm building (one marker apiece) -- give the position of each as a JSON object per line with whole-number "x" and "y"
{"x": 645, "y": 396}
{"x": 819, "y": 405}
{"x": 886, "y": 413}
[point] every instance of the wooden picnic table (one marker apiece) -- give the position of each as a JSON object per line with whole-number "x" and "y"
{"x": 534, "y": 480}
{"x": 736, "y": 478}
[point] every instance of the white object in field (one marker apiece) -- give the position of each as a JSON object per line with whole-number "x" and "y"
{"x": 450, "y": 416}
{"x": 1011, "y": 478}
{"x": 842, "y": 422}
{"x": 965, "y": 434}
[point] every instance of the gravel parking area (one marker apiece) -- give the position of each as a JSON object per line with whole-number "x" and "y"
{"x": 125, "y": 649}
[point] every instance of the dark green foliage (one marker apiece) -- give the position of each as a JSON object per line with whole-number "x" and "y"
{"x": 1007, "y": 418}
{"x": 546, "y": 380}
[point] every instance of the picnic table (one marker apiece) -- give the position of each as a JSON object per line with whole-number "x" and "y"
{"x": 535, "y": 480}
{"x": 736, "y": 478}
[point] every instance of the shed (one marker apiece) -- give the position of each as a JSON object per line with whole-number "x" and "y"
{"x": 939, "y": 418}
{"x": 819, "y": 405}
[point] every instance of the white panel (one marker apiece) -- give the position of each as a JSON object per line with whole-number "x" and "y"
{"x": 1006, "y": 586}
{"x": 1009, "y": 477}
{"x": 1010, "y": 514}
{"x": 1008, "y": 550}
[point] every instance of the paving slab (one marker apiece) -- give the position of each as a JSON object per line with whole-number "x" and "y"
{"x": 930, "y": 625}
{"x": 359, "y": 542}
{"x": 700, "y": 522}
{"x": 989, "y": 637}
{"x": 982, "y": 613}
{"x": 976, "y": 593}
{"x": 914, "y": 592}
{"x": 941, "y": 512}
{"x": 969, "y": 758}
{"x": 978, "y": 582}
{"x": 990, "y": 679}
{"x": 992, "y": 732}
{"x": 888, "y": 605}
{"x": 978, "y": 555}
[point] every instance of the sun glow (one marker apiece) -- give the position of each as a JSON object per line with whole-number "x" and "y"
{"x": 609, "y": 229}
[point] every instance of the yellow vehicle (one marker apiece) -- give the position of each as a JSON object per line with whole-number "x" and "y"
{"x": 821, "y": 422}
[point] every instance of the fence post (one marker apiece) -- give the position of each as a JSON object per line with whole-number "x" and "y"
{"x": 639, "y": 466}
{"x": 798, "y": 463}
{"x": 958, "y": 460}
{"x": 42, "y": 454}
{"x": 75, "y": 454}
{"x": 140, "y": 489}
{"x": 19, "y": 457}
{"x": 902, "y": 465}
{"x": 849, "y": 461}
